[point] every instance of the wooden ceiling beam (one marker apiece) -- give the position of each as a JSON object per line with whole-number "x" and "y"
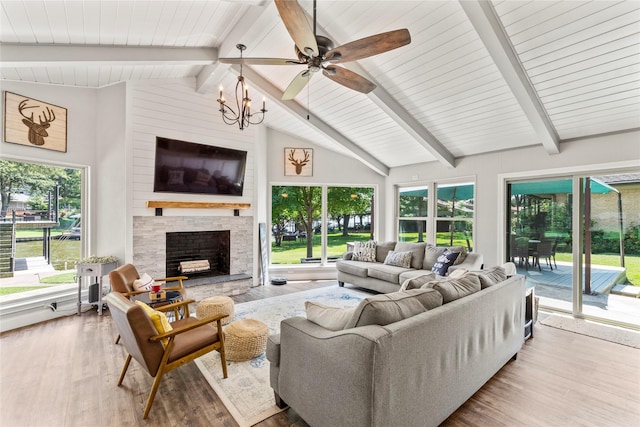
{"x": 42, "y": 55}
{"x": 486, "y": 23}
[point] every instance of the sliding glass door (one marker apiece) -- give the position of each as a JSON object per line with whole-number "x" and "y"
{"x": 575, "y": 243}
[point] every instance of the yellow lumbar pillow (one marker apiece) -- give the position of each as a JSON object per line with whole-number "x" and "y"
{"x": 159, "y": 320}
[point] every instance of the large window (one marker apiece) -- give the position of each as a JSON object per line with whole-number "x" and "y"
{"x": 447, "y": 222}
{"x": 40, "y": 215}
{"x": 413, "y": 205}
{"x": 455, "y": 213}
{"x": 316, "y": 224}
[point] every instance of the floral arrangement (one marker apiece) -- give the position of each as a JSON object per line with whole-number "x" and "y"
{"x": 99, "y": 260}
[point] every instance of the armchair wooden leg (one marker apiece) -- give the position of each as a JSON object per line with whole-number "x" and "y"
{"x": 124, "y": 369}
{"x": 118, "y": 339}
{"x": 152, "y": 394}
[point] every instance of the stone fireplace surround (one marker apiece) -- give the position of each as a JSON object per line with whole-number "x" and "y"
{"x": 149, "y": 250}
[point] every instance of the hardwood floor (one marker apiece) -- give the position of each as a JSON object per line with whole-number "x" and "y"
{"x": 64, "y": 373}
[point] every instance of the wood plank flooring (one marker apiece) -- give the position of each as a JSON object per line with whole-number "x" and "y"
{"x": 64, "y": 373}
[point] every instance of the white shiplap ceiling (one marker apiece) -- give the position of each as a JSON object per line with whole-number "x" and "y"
{"x": 477, "y": 77}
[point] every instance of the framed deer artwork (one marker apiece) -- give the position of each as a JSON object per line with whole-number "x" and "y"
{"x": 298, "y": 161}
{"x": 28, "y": 121}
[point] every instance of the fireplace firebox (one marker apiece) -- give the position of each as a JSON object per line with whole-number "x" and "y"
{"x": 212, "y": 246}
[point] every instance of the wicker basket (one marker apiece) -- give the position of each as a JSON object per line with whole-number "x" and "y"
{"x": 245, "y": 339}
{"x": 213, "y": 306}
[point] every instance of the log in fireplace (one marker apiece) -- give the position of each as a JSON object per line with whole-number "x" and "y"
{"x": 187, "y": 247}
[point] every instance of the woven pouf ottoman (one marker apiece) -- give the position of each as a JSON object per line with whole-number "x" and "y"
{"x": 245, "y": 339}
{"x": 216, "y": 305}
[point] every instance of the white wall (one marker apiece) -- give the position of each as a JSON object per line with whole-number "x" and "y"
{"x": 329, "y": 168}
{"x": 594, "y": 155}
{"x": 173, "y": 109}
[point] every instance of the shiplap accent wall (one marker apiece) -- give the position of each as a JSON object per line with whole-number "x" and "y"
{"x": 173, "y": 109}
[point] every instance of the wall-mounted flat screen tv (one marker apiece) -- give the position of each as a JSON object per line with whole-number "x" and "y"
{"x": 187, "y": 167}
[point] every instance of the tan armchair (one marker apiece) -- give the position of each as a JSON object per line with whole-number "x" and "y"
{"x": 122, "y": 279}
{"x": 189, "y": 339}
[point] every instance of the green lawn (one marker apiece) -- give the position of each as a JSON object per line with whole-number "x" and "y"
{"x": 62, "y": 251}
{"x": 290, "y": 252}
{"x": 15, "y": 289}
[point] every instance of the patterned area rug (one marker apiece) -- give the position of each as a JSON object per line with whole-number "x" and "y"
{"x": 246, "y": 392}
{"x": 596, "y": 330}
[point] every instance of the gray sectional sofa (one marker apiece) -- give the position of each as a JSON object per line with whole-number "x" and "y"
{"x": 380, "y": 277}
{"x": 410, "y": 372}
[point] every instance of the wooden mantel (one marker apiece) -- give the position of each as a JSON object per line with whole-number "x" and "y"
{"x": 196, "y": 205}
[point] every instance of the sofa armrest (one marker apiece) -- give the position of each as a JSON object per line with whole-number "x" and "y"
{"x": 273, "y": 350}
{"x": 472, "y": 262}
{"x": 337, "y": 365}
{"x": 347, "y": 255}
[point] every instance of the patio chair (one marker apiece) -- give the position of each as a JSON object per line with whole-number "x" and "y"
{"x": 159, "y": 350}
{"x": 544, "y": 249}
{"x": 519, "y": 248}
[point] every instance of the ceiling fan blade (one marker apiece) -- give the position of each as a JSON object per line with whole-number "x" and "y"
{"x": 369, "y": 46}
{"x": 260, "y": 61}
{"x": 297, "y": 84}
{"x": 349, "y": 79}
{"x": 299, "y": 27}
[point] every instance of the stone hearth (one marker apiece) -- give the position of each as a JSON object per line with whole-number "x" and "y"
{"x": 149, "y": 250}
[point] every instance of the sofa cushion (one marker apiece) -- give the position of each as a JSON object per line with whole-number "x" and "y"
{"x": 444, "y": 261}
{"x": 399, "y": 259}
{"x": 332, "y": 318}
{"x": 364, "y": 251}
{"x": 382, "y": 249}
{"x": 491, "y": 276}
{"x": 417, "y": 252}
{"x": 453, "y": 289}
{"x": 384, "y": 309}
{"x": 414, "y": 279}
{"x": 357, "y": 268}
{"x": 429, "y": 298}
{"x": 431, "y": 254}
{"x": 388, "y": 273}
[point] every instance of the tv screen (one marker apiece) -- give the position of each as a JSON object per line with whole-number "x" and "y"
{"x": 187, "y": 167}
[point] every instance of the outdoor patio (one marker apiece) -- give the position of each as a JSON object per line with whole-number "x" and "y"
{"x": 553, "y": 287}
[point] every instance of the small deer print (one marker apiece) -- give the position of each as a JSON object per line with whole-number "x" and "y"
{"x": 37, "y": 131}
{"x": 299, "y": 164}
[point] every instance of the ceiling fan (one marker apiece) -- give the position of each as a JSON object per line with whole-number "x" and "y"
{"x": 318, "y": 53}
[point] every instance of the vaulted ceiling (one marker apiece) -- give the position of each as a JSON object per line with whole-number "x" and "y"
{"x": 478, "y": 76}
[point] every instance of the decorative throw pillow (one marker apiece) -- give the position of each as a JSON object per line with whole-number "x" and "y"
{"x": 365, "y": 251}
{"x": 446, "y": 260}
{"x": 176, "y": 177}
{"x": 202, "y": 178}
{"x": 158, "y": 319}
{"x": 384, "y": 309}
{"x": 144, "y": 283}
{"x": 461, "y": 250}
{"x": 332, "y": 318}
{"x": 398, "y": 259}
